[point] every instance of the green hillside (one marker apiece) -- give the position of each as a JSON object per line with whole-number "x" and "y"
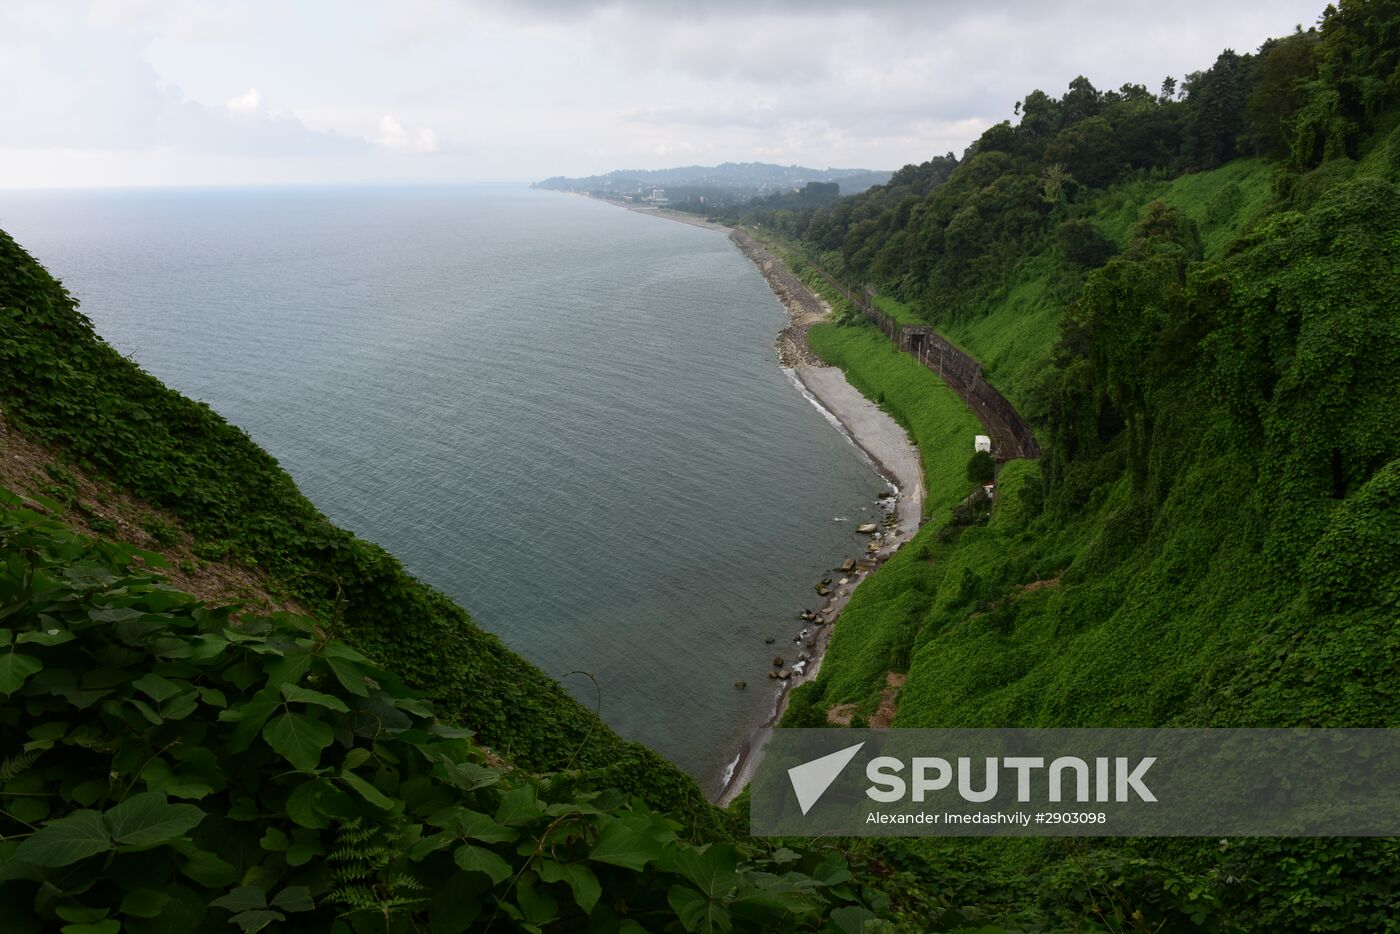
{"x": 1194, "y": 296}
{"x": 1196, "y": 301}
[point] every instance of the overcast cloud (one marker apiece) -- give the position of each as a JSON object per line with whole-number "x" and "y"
{"x": 154, "y": 92}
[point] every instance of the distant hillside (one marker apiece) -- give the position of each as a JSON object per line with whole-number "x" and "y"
{"x": 730, "y": 183}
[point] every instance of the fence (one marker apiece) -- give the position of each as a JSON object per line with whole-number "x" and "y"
{"x": 1011, "y": 436}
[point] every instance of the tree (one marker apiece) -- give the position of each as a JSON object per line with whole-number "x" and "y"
{"x": 1080, "y": 102}
{"x": 998, "y": 138}
{"x": 1280, "y": 76}
{"x": 1215, "y": 100}
{"x": 1040, "y": 116}
{"x": 981, "y": 468}
{"x": 1089, "y": 150}
{"x": 1082, "y": 245}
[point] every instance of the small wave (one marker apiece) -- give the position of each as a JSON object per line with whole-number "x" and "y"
{"x": 826, "y": 413}
{"x": 729, "y": 770}
{"x": 836, "y": 423}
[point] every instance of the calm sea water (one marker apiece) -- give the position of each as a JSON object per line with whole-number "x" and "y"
{"x": 567, "y": 416}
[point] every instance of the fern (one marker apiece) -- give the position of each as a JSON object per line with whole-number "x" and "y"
{"x": 363, "y": 875}
{"x": 15, "y": 766}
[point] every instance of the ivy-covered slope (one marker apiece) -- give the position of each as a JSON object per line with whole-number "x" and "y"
{"x": 1212, "y": 362}
{"x": 1212, "y": 539}
{"x": 60, "y": 383}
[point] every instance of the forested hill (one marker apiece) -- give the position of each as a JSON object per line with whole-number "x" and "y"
{"x": 1303, "y": 100}
{"x": 701, "y": 187}
{"x": 1194, "y": 295}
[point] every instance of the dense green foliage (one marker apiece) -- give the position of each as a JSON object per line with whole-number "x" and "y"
{"x": 948, "y": 236}
{"x": 1212, "y": 362}
{"x": 1194, "y": 296}
{"x": 170, "y": 767}
{"x": 64, "y": 385}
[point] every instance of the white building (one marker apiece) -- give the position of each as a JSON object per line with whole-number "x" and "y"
{"x": 982, "y": 443}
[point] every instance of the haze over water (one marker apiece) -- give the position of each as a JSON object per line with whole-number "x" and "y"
{"x": 567, "y": 416}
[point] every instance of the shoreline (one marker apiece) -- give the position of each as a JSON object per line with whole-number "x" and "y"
{"x": 882, "y": 443}
{"x": 861, "y": 422}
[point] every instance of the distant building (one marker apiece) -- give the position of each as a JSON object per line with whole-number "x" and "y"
{"x": 982, "y": 443}
{"x": 657, "y": 196}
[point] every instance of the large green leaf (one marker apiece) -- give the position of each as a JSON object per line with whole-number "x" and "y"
{"x": 294, "y": 898}
{"x": 157, "y": 688}
{"x": 303, "y": 695}
{"x": 148, "y": 818}
{"x": 697, "y": 912}
{"x": 712, "y": 871}
{"x": 579, "y": 877}
{"x": 209, "y": 870}
{"x": 620, "y": 845}
{"x": 349, "y": 675}
{"x": 66, "y": 840}
{"x": 299, "y": 738}
{"x": 46, "y": 637}
{"x": 367, "y": 791}
{"x": 479, "y": 859}
{"x": 316, "y": 804}
{"x": 78, "y": 914}
{"x": 480, "y": 827}
{"x": 256, "y": 920}
{"x": 519, "y": 806}
{"x": 468, "y": 776}
{"x": 536, "y": 902}
{"x": 109, "y": 926}
{"x": 15, "y": 669}
{"x": 301, "y": 807}
{"x": 250, "y": 716}
{"x": 143, "y": 903}
{"x": 851, "y": 919}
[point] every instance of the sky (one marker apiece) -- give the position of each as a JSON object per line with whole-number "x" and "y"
{"x": 116, "y": 93}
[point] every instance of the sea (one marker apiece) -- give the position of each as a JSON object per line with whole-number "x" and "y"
{"x": 567, "y": 416}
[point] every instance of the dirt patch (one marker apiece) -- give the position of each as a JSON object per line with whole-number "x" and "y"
{"x": 1038, "y": 585}
{"x": 885, "y": 713}
{"x": 95, "y": 506}
{"x": 840, "y": 714}
{"x": 883, "y": 718}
